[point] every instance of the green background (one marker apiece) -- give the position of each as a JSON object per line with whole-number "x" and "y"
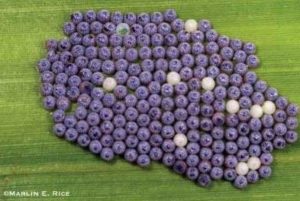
{"x": 31, "y": 158}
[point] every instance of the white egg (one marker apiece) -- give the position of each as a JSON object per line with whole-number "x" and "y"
{"x": 190, "y": 25}
{"x": 269, "y": 107}
{"x": 242, "y": 168}
{"x": 180, "y": 140}
{"x": 232, "y": 106}
{"x": 109, "y": 84}
{"x": 208, "y": 83}
{"x": 253, "y": 163}
{"x": 173, "y": 78}
{"x": 256, "y": 111}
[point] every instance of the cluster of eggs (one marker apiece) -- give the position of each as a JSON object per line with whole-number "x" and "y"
{"x": 153, "y": 87}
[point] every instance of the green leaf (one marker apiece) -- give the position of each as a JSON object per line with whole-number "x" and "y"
{"x": 33, "y": 159}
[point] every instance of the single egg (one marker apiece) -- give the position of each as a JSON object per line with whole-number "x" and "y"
{"x": 109, "y": 84}
{"x": 123, "y": 29}
{"x": 256, "y": 111}
{"x": 253, "y": 163}
{"x": 190, "y": 25}
{"x": 173, "y": 78}
{"x": 180, "y": 140}
{"x": 242, "y": 168}
{"x": 208, "y": 83}
{"x": 232, "y": 106}
{"x": 269, "y": 107}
